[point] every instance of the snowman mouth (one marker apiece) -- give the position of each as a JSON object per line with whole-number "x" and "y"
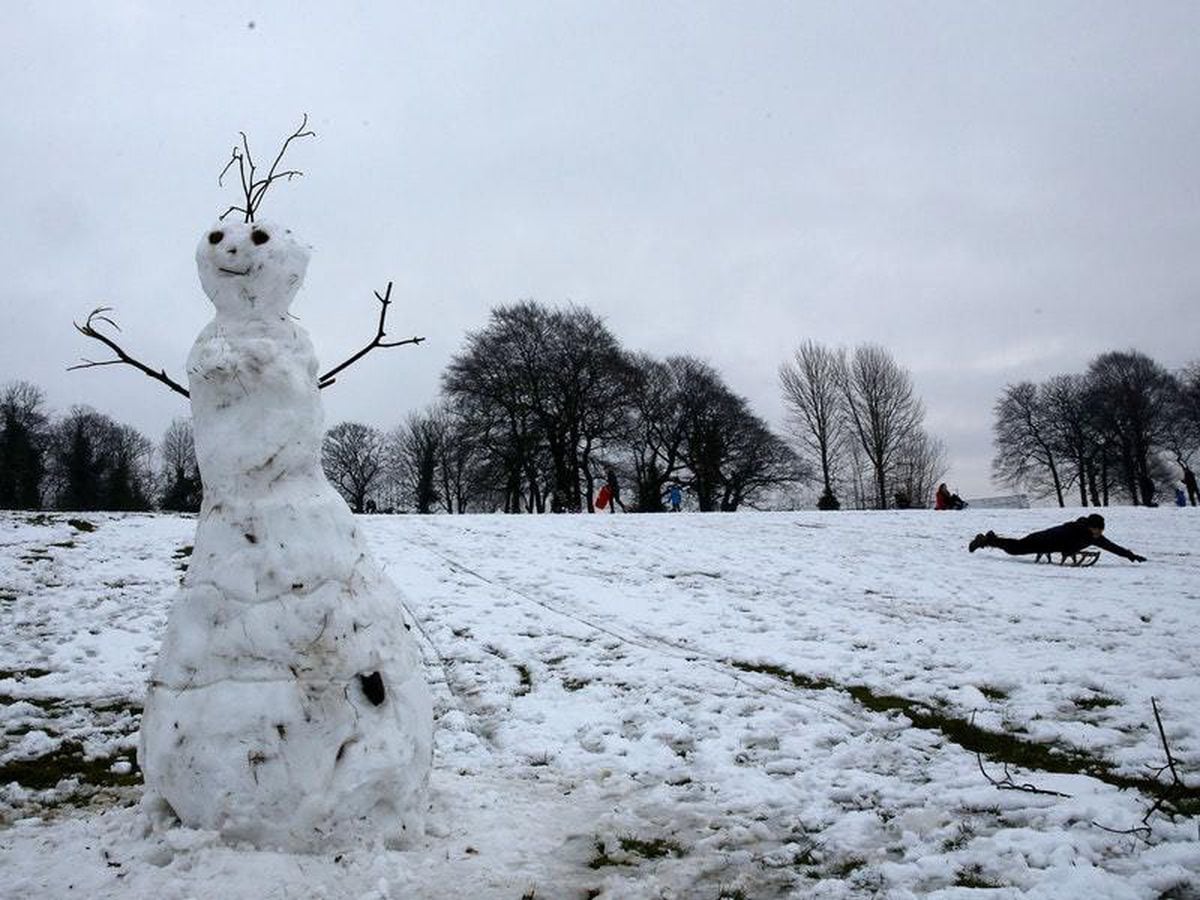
{"x": 234, "y": 271}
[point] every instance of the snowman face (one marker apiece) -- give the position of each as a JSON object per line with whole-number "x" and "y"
{"x": 251, "y": 269}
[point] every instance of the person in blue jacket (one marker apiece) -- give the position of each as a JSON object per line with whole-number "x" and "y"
{"x": 675, "y": 496}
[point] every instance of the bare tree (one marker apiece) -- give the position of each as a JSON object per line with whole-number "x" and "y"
{"x": 353, "y": 456}
{"x": 657, "y": 428}
{"x": 1024, "y": 440}
{"x": 416, "y": 451}
{"x": 98, "y": 463}
{"x": 812, "y": 392}
{"x": 920, "y": 465}
{"x": 182, "y": 489}
{"x": 1067, "y": 402}
{"x": 882, "y": 409}
{"x": 24, "y": 444}
{"x": 1132, "y": 408}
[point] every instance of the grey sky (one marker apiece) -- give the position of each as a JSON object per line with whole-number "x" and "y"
{"x": 992, "y": 191}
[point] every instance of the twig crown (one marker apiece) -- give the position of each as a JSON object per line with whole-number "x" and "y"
{"x": 254, "y": 189}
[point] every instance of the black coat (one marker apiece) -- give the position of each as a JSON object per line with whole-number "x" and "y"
{"x": 1069, "y": 538}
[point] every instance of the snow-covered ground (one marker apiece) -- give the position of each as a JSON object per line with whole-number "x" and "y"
{"x": 684, "y": 706}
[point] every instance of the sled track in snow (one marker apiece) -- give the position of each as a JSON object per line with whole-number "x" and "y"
{"x": 793, "y": 688}
{"x": 767, "y": 686}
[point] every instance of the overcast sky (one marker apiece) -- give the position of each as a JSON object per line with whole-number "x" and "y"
{"x": 994, "y": 192}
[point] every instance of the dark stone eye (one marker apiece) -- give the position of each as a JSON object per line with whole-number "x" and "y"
{"x": 259, "y": 237}
{"x": 215, "y": 237}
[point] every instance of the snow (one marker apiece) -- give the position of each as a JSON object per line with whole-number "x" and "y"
{"x": 288, "y": 707}
{"x": 671, "y": 706}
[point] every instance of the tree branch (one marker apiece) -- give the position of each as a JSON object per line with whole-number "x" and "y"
{"x": 384, "y": 300}
{"x": 252, "y": 189}
{"x": 88, "y": 329}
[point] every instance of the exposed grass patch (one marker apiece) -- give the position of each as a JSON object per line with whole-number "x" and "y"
{"x": 995, "y": 746}
{"x": 67, "y": 761}
{"x": 23, "y": 674}
{"x": 576, "y": 684}
{"x": 846, "y": 867}
{"x": 994, "y": 694}
{"x": 81, "y": 524}
{"x": 1095, "y": 701}
{"x": 657, "y": 848}
{"x": 972, "y": 877}
{"x": 526, "y": 684}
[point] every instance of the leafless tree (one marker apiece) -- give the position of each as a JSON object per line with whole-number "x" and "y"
{"x": 1067, "y": 402}
{"x": 24, "y": 444}
{"x": 657, "y": 428}
{"x": 98, "y": 463}
{"x": 883, "y": 411}
{"x": 1024, "y": 440}
{"x": 1133, "y": 403}
{"x": 181, "y": 476}
{"x": 920, "y": 465}
{"x": 353, "y": 456}
{"x": 548, "y": 389}
{"x": 415, "y": 450}
{"x": 812, "y": 392}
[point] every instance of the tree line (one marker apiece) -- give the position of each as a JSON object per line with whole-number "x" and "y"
{"x": 1117, "y": 432}
{"x": 85, "y": 460}
{"x": 540, "y": 405}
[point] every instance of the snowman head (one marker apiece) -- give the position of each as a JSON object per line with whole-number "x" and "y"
{"x": 251, "y": 270}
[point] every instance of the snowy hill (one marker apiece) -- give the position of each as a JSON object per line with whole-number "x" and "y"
{"x": 684, "y": 706}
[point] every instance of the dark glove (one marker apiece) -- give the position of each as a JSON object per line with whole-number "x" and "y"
{"x": 1133, "y": 557}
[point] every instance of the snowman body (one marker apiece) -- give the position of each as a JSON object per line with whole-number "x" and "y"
{"x": 288, "y": 706}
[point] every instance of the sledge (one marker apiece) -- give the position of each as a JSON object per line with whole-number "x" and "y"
{"x": 1080, "y": 560}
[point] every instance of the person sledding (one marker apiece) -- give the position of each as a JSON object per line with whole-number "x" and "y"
{"x": 1068, "y": 539}
{"x": 944, "y": 499}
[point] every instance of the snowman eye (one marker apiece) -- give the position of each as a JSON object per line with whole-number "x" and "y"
{"x": 215, "y": 237}
{"x": 259, "y": 237}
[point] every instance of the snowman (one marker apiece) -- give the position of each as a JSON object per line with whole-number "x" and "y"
{"x": 288, "y": 707}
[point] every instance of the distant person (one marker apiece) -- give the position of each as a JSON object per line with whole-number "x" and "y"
{"x": 944, "y": 499}
{"x": 1189, "y": 482}
{"x": 1148, "y": 491}
{"x": 941, "y": 500}
{"x": 1068, "y": 539}
{"x": 1180, "y": 497}
{"x": 614, "y": 491}
{"x": 674, "y": 496}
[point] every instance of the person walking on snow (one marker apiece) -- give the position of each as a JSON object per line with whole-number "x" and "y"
{"x": 1189, "y": 482}
{"x": 675, "y": 496}
{"x": 614, "y": 490}
{"x": 1067, "y": 539}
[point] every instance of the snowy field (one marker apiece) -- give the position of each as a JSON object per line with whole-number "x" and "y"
{"x": 682, "y": 706}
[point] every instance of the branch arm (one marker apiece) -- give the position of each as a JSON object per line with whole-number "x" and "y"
{"x": 88, "y": 329}
{"x": 378, "y": 341}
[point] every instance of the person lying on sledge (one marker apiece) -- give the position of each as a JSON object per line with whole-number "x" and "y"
{"x": 1069, "y": 539}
